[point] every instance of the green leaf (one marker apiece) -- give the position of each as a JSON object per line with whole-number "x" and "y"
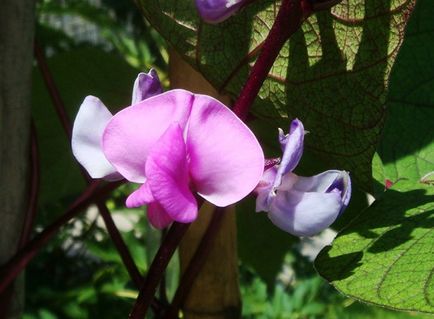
{"x": 407, "y": 148}
{"x": 77, "y": 73}
{"x": 332, "y": 74}
{"x": 386, "y": 255}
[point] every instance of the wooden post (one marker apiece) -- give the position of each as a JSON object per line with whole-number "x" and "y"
{"x": 16, "y": 57}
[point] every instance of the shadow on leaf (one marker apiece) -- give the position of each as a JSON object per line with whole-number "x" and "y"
{"x": 338, "y": 267}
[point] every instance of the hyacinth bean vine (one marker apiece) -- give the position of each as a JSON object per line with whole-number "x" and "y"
{"x": 180, "y": 148}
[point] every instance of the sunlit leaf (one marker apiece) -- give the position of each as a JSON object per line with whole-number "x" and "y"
{"x": 386, "y": 256}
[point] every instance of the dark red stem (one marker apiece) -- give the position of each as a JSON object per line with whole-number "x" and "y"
{"x": 52, "y": 89}
{"x": 196, "y": 264}
{"x": 157, "y": 268}
{"x": 66, "y": 124}
{"x": 14, "y": 266}
{"x": 289, "y": 19}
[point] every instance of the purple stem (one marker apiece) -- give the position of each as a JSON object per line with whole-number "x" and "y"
{"x": 105, "y": 214}
{"x": 157, "y": 268}
{"x": 52, "y": 89}
{"x": 163, "y": 293}
{"x": 289, "y": 19}
{"x": 19, "y": 261}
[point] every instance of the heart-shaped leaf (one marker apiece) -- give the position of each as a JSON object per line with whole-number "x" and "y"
{"x": 332, "y": 74}
{"x": 386, "y": 256}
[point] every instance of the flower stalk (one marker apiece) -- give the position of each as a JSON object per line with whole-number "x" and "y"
{"x": 157, "y": 268}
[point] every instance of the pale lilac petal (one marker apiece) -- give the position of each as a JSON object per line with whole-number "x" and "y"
{"x": 131, "y": 133}
{"x": 318, "y": 183}
{"x": 264, "y": 187}
{"x": 304, "y": 214}
{"x": 157, "y": 216}
{"x": 262, "y": 201}
{"x": 288, "y": 181}
{"x": 168, "y": 178}
{"x": 292, "y": 146}
{"x": 87, "y": 133}
{"x": 327, "y": 181}
{"x": 226, "y": 160}
{"x": 140, "y": 197}
{"x": 345, "y": 188}
{"x": 267, "y": 179}
{"x": 145, "y": 86}
{"x": 214, "y": 11}
{"x": 265, "y": 191}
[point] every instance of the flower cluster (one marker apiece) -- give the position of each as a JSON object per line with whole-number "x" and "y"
{"x": 178, "y": 144}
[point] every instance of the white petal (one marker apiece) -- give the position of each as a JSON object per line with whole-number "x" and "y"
{"x": 87, "y": 132}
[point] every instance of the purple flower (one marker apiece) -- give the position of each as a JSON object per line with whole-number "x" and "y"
{"x": 301, "y": 206}
{"x": 175, "y": 144}
{"x": 215, "y": 11}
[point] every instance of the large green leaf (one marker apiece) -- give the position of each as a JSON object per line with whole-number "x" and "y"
{"x": 407, "y": 149}
{"x": 386, "y": 256}
{"x": 332, "y": 74}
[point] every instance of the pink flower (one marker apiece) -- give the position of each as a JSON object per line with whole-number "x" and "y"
{"x": 177, "y": 144}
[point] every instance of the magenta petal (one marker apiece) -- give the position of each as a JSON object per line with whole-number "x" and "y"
{"x": 145, "y": 86}
{"x": 157, "y": 216}
{"x": 87, "y": 133}
{"x": 226, "y": 160}
{"x": 140, "y": 197}
{"x": 167, "y": 173}
{"x": 132, "y": 132}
